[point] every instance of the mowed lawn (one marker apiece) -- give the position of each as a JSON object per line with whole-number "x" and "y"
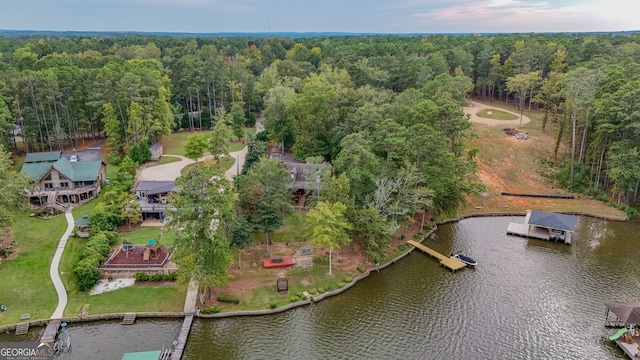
{"x": 25, "y": 285}
{"x": 174, "y": 145}
{"x": 131, "y": 299}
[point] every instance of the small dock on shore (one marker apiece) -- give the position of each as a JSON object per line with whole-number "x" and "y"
{"x": 453, "y": 264}
{"x": 178, "y": 349}
{"x": 51, "y": 331}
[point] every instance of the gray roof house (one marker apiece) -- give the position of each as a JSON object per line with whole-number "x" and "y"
{"x": 152, "y": 196}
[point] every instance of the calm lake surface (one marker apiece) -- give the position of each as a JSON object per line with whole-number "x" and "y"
{"x": 527, "y": 299}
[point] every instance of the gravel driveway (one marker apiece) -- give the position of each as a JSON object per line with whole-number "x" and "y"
{"x": 475, "y": 107}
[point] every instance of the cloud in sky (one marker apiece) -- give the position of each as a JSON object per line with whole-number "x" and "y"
{"x": 383, "y": 16}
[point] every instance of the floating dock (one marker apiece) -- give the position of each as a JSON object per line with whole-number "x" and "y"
{"x": 453, "y": 264}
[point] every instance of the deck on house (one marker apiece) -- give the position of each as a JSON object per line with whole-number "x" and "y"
{"x": 453, "y": 264}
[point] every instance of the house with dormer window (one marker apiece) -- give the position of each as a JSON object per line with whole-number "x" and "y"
{"x": 59, "y": 182}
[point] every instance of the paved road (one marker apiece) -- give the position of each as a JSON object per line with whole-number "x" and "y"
{"x": 54, "y": 270}
{"x": 475, "y": 107}
{"x": 166, "y": 172}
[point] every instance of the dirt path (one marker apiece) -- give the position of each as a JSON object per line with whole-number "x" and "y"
{"x": 475, "y": 107}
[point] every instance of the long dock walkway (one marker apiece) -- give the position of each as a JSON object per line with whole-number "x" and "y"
{"x": 189, "y": 309}
{"x": 453, "y": 264}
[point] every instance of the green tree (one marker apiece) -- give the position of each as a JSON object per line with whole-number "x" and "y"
{"x": 131, "y": 211}
{"x": 264, "y": 196}
{"x": 327, "y": 226}
{"x": 195, "y": 146}
{"x": 202, "y": 201}
{"x": 12, "y": 184}
{"x": 219, "y": 140}
{"x": 237, "y": 120}
{"x": 256, "y": 150}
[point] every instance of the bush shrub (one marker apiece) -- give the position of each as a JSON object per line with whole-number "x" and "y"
{"x": 273, "y": 305}
{"x": 228, "y": 299}
{"x": 347, "y": 279}
{"x": 171, "y": 276}
{"x": 293, "y": 298}
{"x": 156, "y": 277}
{"x": 210, "y": 310}
{"x": 321, "y": 290}
{"x": 418, "y": 237}
{"x": 403, "y": 236}
{"x": 361, "y": 268}
{"x": 313, "y": 291}
{"x": 342, "y": 284}
{"x": 142, "y": 277}
{"x": 86, "y": 274}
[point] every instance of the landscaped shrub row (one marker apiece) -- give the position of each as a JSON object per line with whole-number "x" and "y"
{"x": 228, "y": 299}
{"x": 210, "y": 310}
{"x": 156, "y": 277}
{"x": 95, "y": 252}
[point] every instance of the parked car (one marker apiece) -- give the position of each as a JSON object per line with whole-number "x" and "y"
{"x": 73, "y": 158}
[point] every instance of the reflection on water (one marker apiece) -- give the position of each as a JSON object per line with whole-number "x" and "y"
{"x": 527, "y": 299}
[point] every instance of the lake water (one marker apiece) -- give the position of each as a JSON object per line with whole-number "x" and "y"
{"x": 527, "y": 299}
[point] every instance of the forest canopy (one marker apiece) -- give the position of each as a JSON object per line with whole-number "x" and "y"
{"x": 380, "y": 109}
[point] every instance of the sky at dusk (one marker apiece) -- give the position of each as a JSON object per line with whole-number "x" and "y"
{"x": 357, "y": 16}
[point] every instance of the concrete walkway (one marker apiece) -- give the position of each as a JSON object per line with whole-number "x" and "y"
{"x": 54, "y": 270}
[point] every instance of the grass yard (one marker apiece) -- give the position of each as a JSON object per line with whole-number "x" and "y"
{"x": 130, "y": 299}
{"x": 226, "y": 162}
{"x": 293, "y": 230}
{"x": 112, "y": 171}
{"x": 166, "y": 159}
{"x": 26, "y": 287}
{"x": 300, "y": 280}
{"x": 143, "y": 234}
{"x": 497, "y": 114}
{"x": 174, "y": 145}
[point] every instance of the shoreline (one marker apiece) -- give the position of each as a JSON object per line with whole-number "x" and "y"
{"x": 309, "y": 301}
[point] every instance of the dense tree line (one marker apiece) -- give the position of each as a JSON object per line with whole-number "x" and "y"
{"x": 383, "y": 111}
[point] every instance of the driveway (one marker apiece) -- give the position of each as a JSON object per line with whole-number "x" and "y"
{"x": 475, "y": 107}
{"x": 171, "y": 171}
{"x": 166, "y": 172}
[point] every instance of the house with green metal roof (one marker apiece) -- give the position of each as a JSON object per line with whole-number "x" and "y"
{"x": 40, "y": 157}
{"x": 61, "y": 183}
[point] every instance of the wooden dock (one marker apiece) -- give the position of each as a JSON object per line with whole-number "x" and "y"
{"x": 51, "y": 331}
{"x": 453, "y": 264}
{"x": 129, "y": 318}
{"x": 22, "y": 329}
{"x": 176, "y": 354}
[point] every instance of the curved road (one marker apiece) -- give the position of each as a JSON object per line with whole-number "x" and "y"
{"x": 475, "y": 107}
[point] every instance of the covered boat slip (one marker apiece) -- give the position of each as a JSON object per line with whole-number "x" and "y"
{"x": 545, "y": 226}
{"x": 625, "y": 314}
